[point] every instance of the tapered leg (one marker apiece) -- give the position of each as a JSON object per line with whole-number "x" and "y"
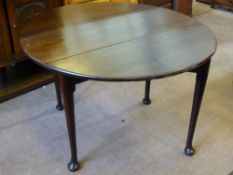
{"x": 146, "y": 99}
{"x": 67, "y": 85}
{"x": 201, "y": 77}
{"x": 58, "y": 93}
{"x": 174, "y": 4}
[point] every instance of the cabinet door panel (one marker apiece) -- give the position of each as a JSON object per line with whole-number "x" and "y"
{"x": 20, "y": 11}
{"x": 5, "y": 46}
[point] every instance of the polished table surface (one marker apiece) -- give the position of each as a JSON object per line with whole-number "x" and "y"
{"x": 118, "y": 42}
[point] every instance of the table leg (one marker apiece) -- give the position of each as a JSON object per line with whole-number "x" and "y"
{"x": 67, "y": 85}
{"x": 58, "y": 93}
{"x": 174, "y": 4}
{"x": 146, "y": 99}
{"x": 201, "y": 78}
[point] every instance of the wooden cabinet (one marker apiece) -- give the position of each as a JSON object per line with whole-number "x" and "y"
{"x": 18, "y": 78}
{"x": 6, "y": 54}
{"x": 14, "y": 14}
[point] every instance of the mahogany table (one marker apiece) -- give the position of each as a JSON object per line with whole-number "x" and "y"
{"x": 118, "y": 42}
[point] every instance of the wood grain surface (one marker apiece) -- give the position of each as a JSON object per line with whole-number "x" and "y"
{"x": 117, "y": 42}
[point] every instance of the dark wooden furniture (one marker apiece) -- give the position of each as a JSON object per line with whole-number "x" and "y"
{"x": 118, "y": 42}
{"x": 226, "y": 4}
{"x": 182, "y": 6}
{"x": 13, "y": 15}
{"x": 161, "y": 3}
{"x": 20, "y": 12}
{"x": 6, "y": 54}
{"x": 15, "y": 75}
{"x": 22, "y": 77}
{"x": 206, "y": 1}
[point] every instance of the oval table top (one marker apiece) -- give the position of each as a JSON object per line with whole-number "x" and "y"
{"x": 117, "y": 42}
